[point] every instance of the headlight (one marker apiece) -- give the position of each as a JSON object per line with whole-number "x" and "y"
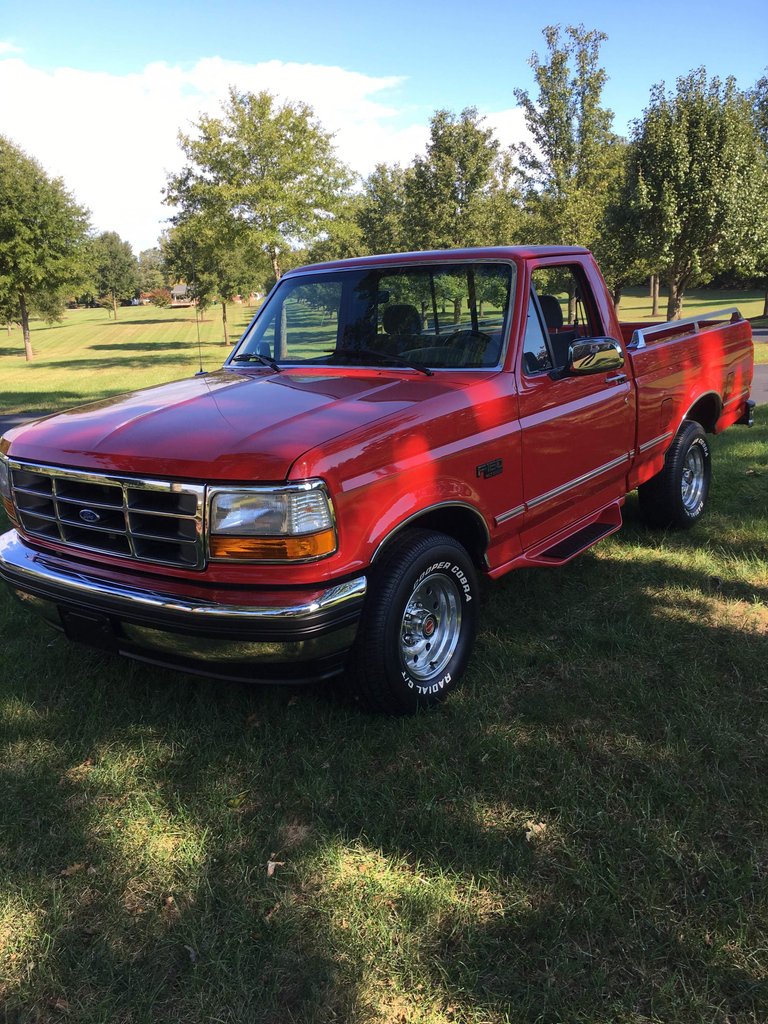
{"x": 274, "y": 524}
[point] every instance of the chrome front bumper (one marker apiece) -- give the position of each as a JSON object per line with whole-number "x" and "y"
{"x": 295, "y": 635}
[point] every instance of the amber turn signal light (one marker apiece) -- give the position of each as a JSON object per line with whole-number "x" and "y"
{"x": 10, "y": 511}
{"x": 274, "y": 549}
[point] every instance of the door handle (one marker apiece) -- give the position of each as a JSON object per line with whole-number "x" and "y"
{"x": 618, "y": 378}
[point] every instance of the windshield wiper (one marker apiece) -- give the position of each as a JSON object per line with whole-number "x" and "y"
{"x": 247, "y": 357}
{"x": 351, "y": 355}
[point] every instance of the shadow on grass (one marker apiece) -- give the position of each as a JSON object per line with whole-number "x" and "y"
{"x": 141, "y": 322}
{"x": 626, "y": 728}
{"x": 147, "y": 346}
{"x": 121, "y": 362}
{"x": 42, "y": 403}
{"x": 580, "y": 834}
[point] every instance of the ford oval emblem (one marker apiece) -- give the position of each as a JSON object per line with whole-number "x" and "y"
{"x": 89, "y": 516}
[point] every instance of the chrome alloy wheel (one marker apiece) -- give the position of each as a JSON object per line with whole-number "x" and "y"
{"x": 431, "y": 626}
{"x": 693, "y": 479}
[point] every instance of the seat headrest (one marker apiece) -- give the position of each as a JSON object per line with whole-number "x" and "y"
{"x": 401, "y": 318}
{"x": 550, "y": 307}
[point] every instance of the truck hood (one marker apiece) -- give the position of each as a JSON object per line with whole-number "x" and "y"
{"x": 227, "y": 425}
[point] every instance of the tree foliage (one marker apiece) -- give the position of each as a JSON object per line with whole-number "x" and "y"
{"x": 214, "y": 259}
{"x": 697, "y": 183}
{"x": 152, "y": 270}
{"x": 42, "y": 235}
{"x": 115, "y": 270}
{"x": 759, "y": 100}
{"x": 572, "y": 154}
{"x": 381, "y": 211}
{"x": 268, "y": 170}
{"x": 461, "y": 192}
{"x": 454, "y": 189}
{"x": 614, "y": 245}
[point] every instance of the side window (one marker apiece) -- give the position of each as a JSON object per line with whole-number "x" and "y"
{"x": 536, "y": 356}
{"x": 566, "y": 306}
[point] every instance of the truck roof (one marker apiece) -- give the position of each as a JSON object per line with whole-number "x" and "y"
{"x": 515, "y": 253}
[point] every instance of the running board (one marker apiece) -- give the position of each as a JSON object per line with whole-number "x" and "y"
{"x": 566, "y": 544}
{"x": 578, "y": 542}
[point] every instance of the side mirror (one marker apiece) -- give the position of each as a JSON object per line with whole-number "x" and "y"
{"x": 594, "y": 355}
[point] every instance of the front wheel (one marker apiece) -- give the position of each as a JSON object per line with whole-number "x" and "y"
{"x": 677, "y": 496}
{"x": 418, "y": 624}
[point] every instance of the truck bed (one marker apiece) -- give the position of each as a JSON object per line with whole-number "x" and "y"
{"x": 704, "y": 361}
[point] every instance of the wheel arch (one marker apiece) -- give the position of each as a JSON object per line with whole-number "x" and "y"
{"x": 705, "y": 410}
{"x": 458, "y": 520}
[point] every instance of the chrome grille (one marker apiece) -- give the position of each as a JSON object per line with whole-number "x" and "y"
{"x": 145, "y": 520}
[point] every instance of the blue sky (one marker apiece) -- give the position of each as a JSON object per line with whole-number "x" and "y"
{"x": 98, "y": 91}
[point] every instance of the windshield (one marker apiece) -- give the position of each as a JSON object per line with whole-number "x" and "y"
{"x": 420, "y": 316}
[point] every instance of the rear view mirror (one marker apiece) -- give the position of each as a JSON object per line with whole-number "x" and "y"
{"x": 594, "y": 355}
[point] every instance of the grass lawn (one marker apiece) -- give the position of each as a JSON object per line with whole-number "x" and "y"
{"x": 580, "y": 835}
{"x": 89, "y": 356}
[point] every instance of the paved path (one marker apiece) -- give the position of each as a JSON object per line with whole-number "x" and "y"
{"x": 759, "y": 393}
{"x": 760, "y": 384}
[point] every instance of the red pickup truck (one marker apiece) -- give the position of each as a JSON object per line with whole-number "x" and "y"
{"x": 386, "y": 430}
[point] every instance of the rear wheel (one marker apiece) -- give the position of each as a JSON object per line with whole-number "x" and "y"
{"x": 677, "y": 496}
{"x": 418, "y": 624}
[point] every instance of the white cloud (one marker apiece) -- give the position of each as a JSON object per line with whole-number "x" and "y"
{"x": 112, "y": 138}
{"x": 7, "y": 47}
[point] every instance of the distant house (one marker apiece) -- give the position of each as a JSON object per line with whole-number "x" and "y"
{"x": 180, "y": 295}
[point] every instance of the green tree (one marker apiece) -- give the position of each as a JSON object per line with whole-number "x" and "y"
{"x": 270, "y": 169}
{"x": 614, "y": 245}
{"x": 449, "y": 190}
{"x": 115, "y": 269}
{"x": 381, "y": 211}
{"x": 565, "y": 170}
{"x": 152, "y": 271}
{"x": 697, "y": 183}
{"x": 759, "y": 99}
{"x": 342, "y": 235}
{"x": 42, "y": 235}
{"x": 214, "y": 260}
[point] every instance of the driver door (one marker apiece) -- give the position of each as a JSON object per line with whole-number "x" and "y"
{"x": 577, "y": 431}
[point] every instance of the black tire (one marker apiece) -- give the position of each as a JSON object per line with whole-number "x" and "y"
{"x": 421, "y": 604}
{"x": 677, "y": 496}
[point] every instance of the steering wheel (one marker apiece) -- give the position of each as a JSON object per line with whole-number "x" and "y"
{"x": 471, "y": 343}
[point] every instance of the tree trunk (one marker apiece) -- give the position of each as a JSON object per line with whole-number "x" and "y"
{"x": 28, "y": 353}
{"x": 114, "y": 304}
{"x": 616, "y": 296}
{"x": 655, "y": 294}
{"x": 456, "y": 310}
{"x": 675, "y": 300}
{"x": 571, "y": 303}
{"x": 224, "y": 321}
{"x": 765, "y": 303}
{"x": 275, "y": 264}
